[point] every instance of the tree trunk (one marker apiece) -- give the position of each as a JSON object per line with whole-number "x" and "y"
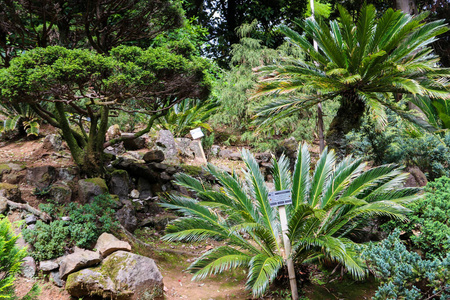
{"x": 347, "y": 118}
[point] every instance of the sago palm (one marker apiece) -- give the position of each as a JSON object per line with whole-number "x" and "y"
{"x": 361, "y": 64}
{"x": 326, "y": 205}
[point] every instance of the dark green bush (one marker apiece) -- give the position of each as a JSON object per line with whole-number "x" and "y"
{"x": 87, "y": 223}
{"x": 404, "y": 274}
{"x": 429, "y": 221}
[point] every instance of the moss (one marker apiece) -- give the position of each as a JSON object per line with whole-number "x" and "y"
{"x": 111, "y": 266}
{"x": 4, "y": 168}
{"x": 7, "y": 186}
{"x": 192, "y": 170}
{"x": 119, "y": 172}
{"x": 98, "y": 181}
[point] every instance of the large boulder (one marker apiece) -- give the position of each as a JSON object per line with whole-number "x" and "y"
{"x": 166, "y": 143}
{"x": 135, "y": 168}
{"x": 132, "y": 143}
{"x": 60, "y": 192}
{"x": 92, "y": 187}
{"x": 48, "y": 265}
{"x": 416, "y": 177}
{"x": 108, "y": 243}
{"x": 122, "y": 275}
{"x": 184, "y": 147}
{"x": 119, "y": 183}
{"x": 41, "y": 177}
{"x": 113, "y": 132}
{"x": 28, "y": 267}
{"x": 4, "y": 169}
{"x": 10, "y": 192}
{"x": 78, "y": 260}
{"x": 53, "y": 142}
{"x": 145, "y": 188}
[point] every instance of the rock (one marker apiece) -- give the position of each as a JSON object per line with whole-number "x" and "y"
{"x": 158, "y": 166}
{"x": 134, "y": 194}
{"x": 165, "y": 177}
{"x": 184, "y": 147}
{"x": 78, "y": 260}
{"x": 289, "y": 147}
{"x": 30, "y": 219}
{"x": 158, "y": 222}
{"x": 48, "y": 265}
{"x": 14, "y": 177}
{"x": 116, "y": 149}
{"x": 57, "y": 279}
{"x": 263, "y": 157}
{"x": 60, "y": 192}
{"x": 127, "y": 216}
{"x": 198, "y": 152}
{"x": 154, "y": 156}
{"x": 119, "y": 183}
{"x": 41, "y": 177}
{"x": 115, "y": 279}
{"x": 235, "y": 156}
{"x": 113, "y": 132}
{"x": 67, "y": 174}
{"x": 3, "y": 204}
{"x": 108, "y": 243}
{"x": 133, "y": 144}
{"x": 136, "y": 168}
{"x": 10, "y": 192}
{"x": 53, "y": 142}
{"x": 144, "y": 188}
{"x": 4, "y": 169}
{"x": 28, "y": 267}
{"x": 215, "y": 149}
{"x": 225, "y": 153}
{"x": 416, "y": 177}
{"x": 92, "y": 187}
{"x": 66, "y": 218}
{"x": 166, "y": 143}
{"x": 31, "y": 227}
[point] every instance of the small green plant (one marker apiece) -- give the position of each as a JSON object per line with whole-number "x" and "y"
{"x": 87, "y": 223}
{"x": 10, "y": 258}
{"x": 19, "y": 115}
{"x": 42, "y": 192}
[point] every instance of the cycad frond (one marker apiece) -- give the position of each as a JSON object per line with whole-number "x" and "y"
{"x": 263, "y": 269}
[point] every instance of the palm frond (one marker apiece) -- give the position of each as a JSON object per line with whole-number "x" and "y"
{"x": 263, "y": 270}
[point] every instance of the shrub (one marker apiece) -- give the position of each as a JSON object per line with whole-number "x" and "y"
{"x": 429, "y": 228}
{"x": 404, "y": 274}
{"x": 10, "y": 258}
{"x": 87, "y": 223}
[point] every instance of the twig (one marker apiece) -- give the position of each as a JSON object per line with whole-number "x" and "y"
{"x": 24, "y": 206}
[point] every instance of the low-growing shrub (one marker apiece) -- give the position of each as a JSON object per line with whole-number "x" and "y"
{"x": 428, "y": 228}
{"x": 404, "y": 274}
{"x": 86, "y": 224}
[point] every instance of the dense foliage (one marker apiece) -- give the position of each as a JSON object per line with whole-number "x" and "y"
{"x": 10, "y": 258}
{"x": 326, "y": 206}
{"x": 404, "y": 274}
{"x": 87, "y": 223}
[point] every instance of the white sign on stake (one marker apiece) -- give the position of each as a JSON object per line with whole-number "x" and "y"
{"x": 279, "y": 198}
{"x": 197, "y": 133}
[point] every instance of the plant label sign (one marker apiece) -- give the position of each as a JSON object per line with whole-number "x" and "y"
{"x": 197, "y": 133}
{"x": 280, "y": 198}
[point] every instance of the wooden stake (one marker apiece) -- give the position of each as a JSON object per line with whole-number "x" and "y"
{"x": 287, "y": 247}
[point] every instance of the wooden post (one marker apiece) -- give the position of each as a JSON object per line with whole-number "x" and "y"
{"x": 205, "y": 161}
{"x": 287, "y": 247}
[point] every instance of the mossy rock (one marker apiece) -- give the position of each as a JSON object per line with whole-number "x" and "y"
{"x": 122, "y": 275}
{"x": 10, "y": 192}
{"x": 92, "y": 187}
{"x": 192, "y": 170}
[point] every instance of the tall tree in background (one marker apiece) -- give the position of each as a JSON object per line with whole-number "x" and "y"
{"x": 222, "y": 17}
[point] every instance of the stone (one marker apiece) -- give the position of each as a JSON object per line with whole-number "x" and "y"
{"x": 119, "y": 183}
{"x": 263, "y": 157}
{"x": 10, "y": 192}
{"x": 14, "y": 177}
{"x": 57, "y": 279}
{"x": 4, "y": 169}
{"x": 122, "y": 275}
{"x": 225, "y": 153}
{"x": 144, "y": 187}
{"x": 134, "y": 143}
{"x": 48, "y": 265}
{"x": 215, "y": 149}
{"x": 66, "y": 219}
{"x": 127, "y": 217}
{"x": 92, "y": 187}
{"x": 116, "y": 149}
{"x": 136, "y": 168}
{"x": 3, "y": 204}
{"x": 30, "y": 219}
{"x": 60, "y": 192}
{"x": 134, "y": 194}
{"x": 166, "y": 143}
{"x": 31, "y": 227}
{"x": 154, "y": 156}
{"x": 108, "y": 243}
{"x": 67, "y": 174}
{"x": 41, "y": 177}
{"x": 113, "y": 132}
{"x": 165, "y": 177}
{"x": 195, "y": 147}
{"x": 28, "y": 267}
{"x": 416, "y": 177}
{"x": 78, "y": 260}
{"x": 53, "y": 142}
{"x": 184, "y": 147}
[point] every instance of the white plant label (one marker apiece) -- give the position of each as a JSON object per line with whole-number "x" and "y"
{"x": 197, "y": 133}
{"x": 279, "y": 198}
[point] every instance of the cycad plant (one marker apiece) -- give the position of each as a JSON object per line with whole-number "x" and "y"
{"x": 359, "y": 63}
{"x": 327, "y": 205}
